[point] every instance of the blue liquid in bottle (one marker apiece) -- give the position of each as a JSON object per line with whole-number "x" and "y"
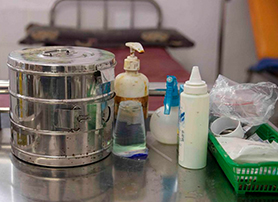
{"x": 129, "y": 134}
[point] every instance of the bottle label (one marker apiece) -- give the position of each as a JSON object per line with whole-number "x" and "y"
{"x": 143, "y": 100}
{"x": 181, "y": 145}
{"x": 181, "y": 136}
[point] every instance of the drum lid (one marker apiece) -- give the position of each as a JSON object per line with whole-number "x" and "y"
{"x": 60, "y": 60}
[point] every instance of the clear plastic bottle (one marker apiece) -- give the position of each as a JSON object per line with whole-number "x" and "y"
{"x": 129, "y": 134}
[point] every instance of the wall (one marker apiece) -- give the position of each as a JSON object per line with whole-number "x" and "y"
{"x": 14, "y": 16}
{"x": 201, "y": 23}
{"x": 197, "y": 19}
{"x": 239, "y": 53}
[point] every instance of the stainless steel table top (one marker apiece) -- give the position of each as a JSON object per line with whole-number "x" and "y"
{"x": 159, "y": 178}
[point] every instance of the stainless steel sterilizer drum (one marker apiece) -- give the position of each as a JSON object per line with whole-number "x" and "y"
{"x": 62, "y": 105}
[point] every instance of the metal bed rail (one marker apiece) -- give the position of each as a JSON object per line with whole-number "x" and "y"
{"x": 4, "y": 89}
{"x": 4, "y": 86}
{"x": 105, "y": 19}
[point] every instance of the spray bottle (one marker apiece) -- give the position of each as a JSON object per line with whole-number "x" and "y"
{"x": 194, "y": 119}
{"x": 132, "y": 85}
{"x": 164, "y": 121}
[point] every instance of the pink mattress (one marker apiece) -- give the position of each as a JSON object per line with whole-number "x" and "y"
{"x": 4, "y": 100}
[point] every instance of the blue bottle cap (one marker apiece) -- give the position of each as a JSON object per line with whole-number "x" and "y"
{"x": 181, "y": 88}
{"x": 172, "y": 97}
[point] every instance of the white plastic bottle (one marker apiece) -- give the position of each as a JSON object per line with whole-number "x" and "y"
{"x": 193, "y": 126}
{"x": 164, "y": 121}
{"x": 132, "y": 85}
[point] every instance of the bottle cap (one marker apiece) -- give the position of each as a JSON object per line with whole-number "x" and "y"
{"x": 181, "y": 88}
{"x": 172, "y": 97}
{"x": 132, "y": 63}
{"x": 195, "y": 85}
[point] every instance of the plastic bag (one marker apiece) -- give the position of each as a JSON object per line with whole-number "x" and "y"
{"x": 249, "y": 103}
{"x": 247, "y": 151}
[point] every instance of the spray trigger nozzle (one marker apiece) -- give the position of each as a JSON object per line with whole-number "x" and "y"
{"x": 171, "y": 98}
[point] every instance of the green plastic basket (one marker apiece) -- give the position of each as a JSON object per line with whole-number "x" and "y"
{"x": 248, "y": 177}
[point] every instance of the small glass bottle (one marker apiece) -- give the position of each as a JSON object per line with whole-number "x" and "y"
{"x": 129, "y": 134}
